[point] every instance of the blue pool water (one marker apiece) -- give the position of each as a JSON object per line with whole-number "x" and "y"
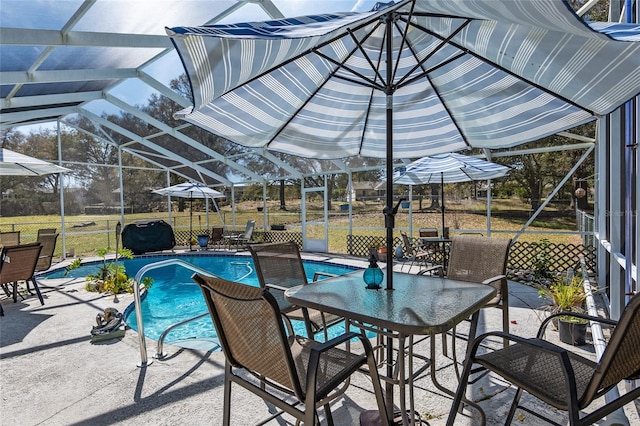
{"x": 174, "y": 296}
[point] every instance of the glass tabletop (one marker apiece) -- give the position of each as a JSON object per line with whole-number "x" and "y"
{"x": 418, "y": 305}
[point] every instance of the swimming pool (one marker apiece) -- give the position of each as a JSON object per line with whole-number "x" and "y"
{"x": 175, "y": 297}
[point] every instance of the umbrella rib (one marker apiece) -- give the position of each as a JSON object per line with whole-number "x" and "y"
{"x": 367, "y": 81}
{"x": 420, "y": 63}
{"x": 395, "y": 16}
{"x": 364, "y": 54}
{"x": 358, "y": 46}
{"x": 500, "y": 67}
{"x": 314, "y": 49}
{"x": 292, "y": 116}
{"x": 426, "y": 72}
{"x": 372, "y": 84}
{"x": 368, "y": 113}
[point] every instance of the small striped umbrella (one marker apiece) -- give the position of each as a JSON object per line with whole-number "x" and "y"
{"x": 447, "y": 168}
{"x": 16, "y": 164}
{"x": 191, "y": 190}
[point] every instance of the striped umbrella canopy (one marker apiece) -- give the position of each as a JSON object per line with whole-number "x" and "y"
{"x": 405, "y": 80}
{"x": 16, "y": 164}
{"x": 447, "y": 168}
{"x": 192, "y": 190}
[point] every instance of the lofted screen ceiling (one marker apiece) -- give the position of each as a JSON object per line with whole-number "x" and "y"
{"x": 65, "y": 60}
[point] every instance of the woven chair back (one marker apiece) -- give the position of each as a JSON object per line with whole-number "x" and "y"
{"x": 10, "y": 238}
{"x": 249, "y": 326}
{"x": 216, "y": 234}
{"x": 44, "y": 231}
{"x": 409, "y": 250}
{"x": 621, "y": 358}
{"x": 475, "y": 259}
{"x": 278, "y": 264}
{"x": 19, "y": 262}
{"x": 48, "y": 242}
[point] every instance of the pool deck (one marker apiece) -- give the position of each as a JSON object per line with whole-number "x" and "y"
{"x": 53, "y": 375}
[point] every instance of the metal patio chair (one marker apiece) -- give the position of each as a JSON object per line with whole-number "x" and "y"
{"x": 10, "y": 238}
{"x": 48, "y": 242}
{"x": 216, "y": 237}
{"x": 413, "y": 254}
{"x": 561, "y": 378}
{"x": 279, "y": 267}
{"x": 243, "y": 239}
{"x": 19, "y": 264}
{"x": 279, "y": 366}
{"x": 482, "y": 260}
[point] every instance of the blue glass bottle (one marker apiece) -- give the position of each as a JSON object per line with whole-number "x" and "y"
{"x": 373, "y": 274}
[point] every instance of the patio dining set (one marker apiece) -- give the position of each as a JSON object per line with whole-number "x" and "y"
{"x": 257, "y": 337}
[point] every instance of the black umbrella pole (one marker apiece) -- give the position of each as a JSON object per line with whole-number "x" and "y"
{"x": 442, "y": 200}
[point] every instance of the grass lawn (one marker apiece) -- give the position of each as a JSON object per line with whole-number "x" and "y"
{"x": 86, "y": 233}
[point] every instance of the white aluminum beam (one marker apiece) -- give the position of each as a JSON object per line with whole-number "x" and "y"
{"x": 32, "y": 114}
{"x": 181, "y": 136}
{"x": 164, "y": 90}
{"x": 168, "y": 154}
{"x": 30, "y": 101}
{"x": 54, "y": 38}
{"x": 555, "y": 191}
{"x": 61, "y": 76}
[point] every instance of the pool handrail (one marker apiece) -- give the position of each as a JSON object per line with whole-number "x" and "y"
{"x": 136, "y": 294}
{"x": 160, "y": 348}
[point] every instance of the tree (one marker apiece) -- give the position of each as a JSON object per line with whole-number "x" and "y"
{"x": 536, "y": 175}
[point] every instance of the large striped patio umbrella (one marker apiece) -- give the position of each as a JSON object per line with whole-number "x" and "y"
{"x": 416, "y": 78}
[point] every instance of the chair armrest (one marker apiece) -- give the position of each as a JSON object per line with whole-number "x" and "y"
{"x": 315, "y": 356}
{"x": 431, "y": 269}
{"x": 527, "y": 341}
{"x": 329, "y": 344}
{"x": 494, "y": 279}
{"x": 545, "y": 323}
{"x": 323, "y": 274}
{"x": 276, "y": 287}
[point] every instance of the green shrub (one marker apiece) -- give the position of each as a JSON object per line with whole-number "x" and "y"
{"x": 111, "y": 277}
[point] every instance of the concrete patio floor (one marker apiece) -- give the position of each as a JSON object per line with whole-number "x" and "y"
{"x": 53, "y": 375}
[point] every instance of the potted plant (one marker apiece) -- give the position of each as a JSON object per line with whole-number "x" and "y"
{"x": 111, "y": 277}
{"x": 567, "y": 295}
